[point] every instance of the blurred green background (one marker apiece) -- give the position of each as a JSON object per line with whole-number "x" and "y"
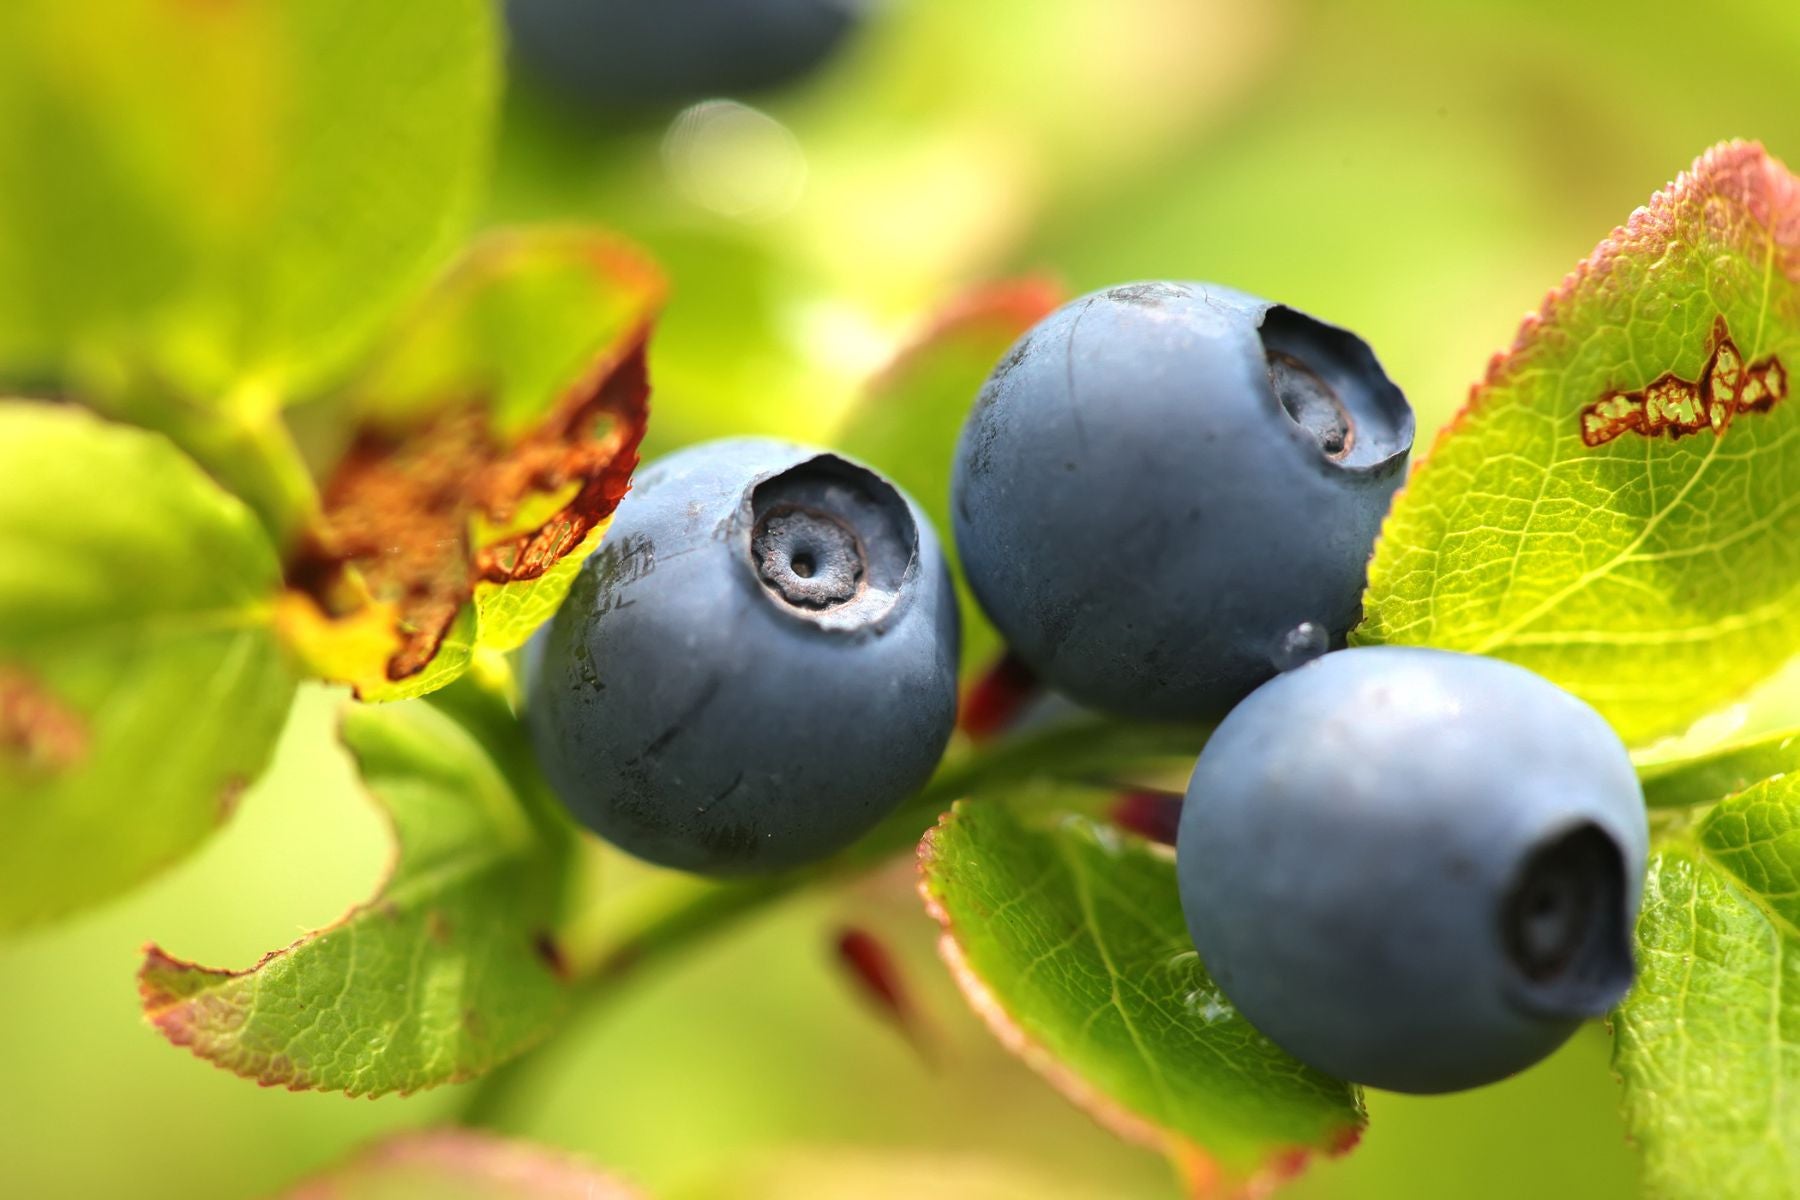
{"x": 1420, "y": 172}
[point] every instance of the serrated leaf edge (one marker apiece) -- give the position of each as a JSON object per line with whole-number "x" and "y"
{"x": 159, "y": 1006}
{"x": 1655, "y": 212}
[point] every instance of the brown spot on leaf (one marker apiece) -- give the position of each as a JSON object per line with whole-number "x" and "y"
{"x": 1674, "y": 407}
{"x": 399, "y": 509}
{"x": 551, "y": 953}
{"x": 36, "y": 728}
{"x": 231, "y": 794}
{"x": 437, "y": 927}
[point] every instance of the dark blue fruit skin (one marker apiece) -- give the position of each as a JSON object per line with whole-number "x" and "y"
{"x": 623, "y": 54}
{"x": 1141, "y": 518}
{"x": 1350, "y": 843}
{"x": 691, "y": 718}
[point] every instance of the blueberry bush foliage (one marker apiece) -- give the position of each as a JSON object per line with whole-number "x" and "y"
{"x": 267, "y": 437}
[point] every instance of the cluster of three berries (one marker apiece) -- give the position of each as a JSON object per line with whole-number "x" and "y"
{"x": 1409, "y": 868}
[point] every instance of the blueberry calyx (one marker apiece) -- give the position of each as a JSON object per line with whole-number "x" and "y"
{"x": 1311, "y": 403}
{"x": 1563, "y": 925}
{"x": 830, "y": 543}
{"x": 810, "y": 558}
{"x": 1327, "y": 382}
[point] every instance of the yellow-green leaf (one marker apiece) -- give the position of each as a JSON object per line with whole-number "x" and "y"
{"x": 1708, "y": 1042}
{"x": 227, "y": 192}
{"x": 141, "y": 682}
{"x": 1702, "y": 778}
{"x": 1615, "y": 506}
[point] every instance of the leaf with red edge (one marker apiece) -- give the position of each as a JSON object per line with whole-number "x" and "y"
{"x": 1068, "y": 939}
{"x": 459, "y": 1164}
{"x": 908, "y": 423}
{"x": 1614, "y": 508}
{"x": 450, "y": 970}
{"x": 494, "y": 437}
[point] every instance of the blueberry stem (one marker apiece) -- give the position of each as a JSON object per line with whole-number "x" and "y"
{"x": 686, "y": 912}
{"x": 1716, "y": 771}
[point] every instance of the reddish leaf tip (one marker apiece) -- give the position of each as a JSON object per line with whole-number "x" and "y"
{"x": 872, "y": 968}
{"x": 1741, "y": 172}
{"x": 1010, "y": 306}
{"x": 998, "y": 697}
{"x": 1152, "y": 815}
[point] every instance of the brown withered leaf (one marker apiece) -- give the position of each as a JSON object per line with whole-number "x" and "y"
{"x": 478, "y": 465}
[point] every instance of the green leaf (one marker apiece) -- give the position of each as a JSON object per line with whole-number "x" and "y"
{"x": 229, "y": 194}
{"x": 907, "y": 425}
{"x": 451, "y": 969}
{"x": 141, "y": 682}
{"x": 1708, "y": 1042}
{"x": 1069, "y": 941}
{"x": 1720, "y": 771}
{"x": 1652, "y": 573}
{"x": 459, "y": 1164}
{"x": 496, "y": 432}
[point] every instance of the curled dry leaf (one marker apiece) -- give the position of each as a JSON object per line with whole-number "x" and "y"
{"x": 494, "y": 439}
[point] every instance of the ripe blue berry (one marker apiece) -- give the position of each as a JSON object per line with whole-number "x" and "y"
{"x": 1414, "y": 869}
{"x": 623, "y": 54}
{"x": 1166, "y": 490}
{"x": 755, "y": 667}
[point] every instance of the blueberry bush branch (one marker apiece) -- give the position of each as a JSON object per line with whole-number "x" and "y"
{"x": 683, "y": 913}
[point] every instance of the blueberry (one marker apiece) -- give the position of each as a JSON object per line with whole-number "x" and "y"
{"x": 1414, "y": 869}
{"x": 624, "y": 54}
{"x": 755, "y": 667}
{"x": 1167, "y": 490}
